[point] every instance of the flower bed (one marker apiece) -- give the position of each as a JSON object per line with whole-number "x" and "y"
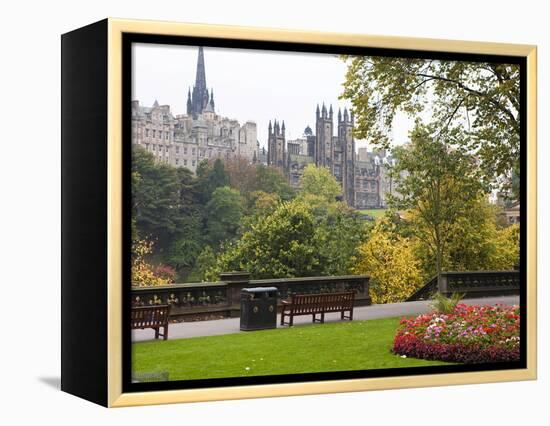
{"x": 471, "y": 334}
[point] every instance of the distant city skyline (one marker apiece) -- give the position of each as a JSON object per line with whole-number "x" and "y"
{"x": 249, "y": 85}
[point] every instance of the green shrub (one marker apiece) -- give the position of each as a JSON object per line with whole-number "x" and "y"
{"x": 445, "y": 305}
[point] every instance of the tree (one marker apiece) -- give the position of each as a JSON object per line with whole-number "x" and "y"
{"x": 319, "y": 181}
{"x": 389, "y": 259}
{"x": 508, "y": 243}
{"x": 143, "y": 274}
{"x": 480, "y": 99}
{"x": 187, "y": 240}
{"x": 242, "y": 175}
{"x": 155, "y": 197}
{"x": 294, "y": 239}
{"x": 186, "y": 245}
{"x": 271, "y": 180}
{"x": 477, "y": 243}
{"x": 437, "y": 180}
{"x": 223, "y": 215}
{"x": 261, "y": 203}
{"x": 206, "y": 261}
{"x": 338, "y": 233}
{"x": 209, "y": 177}
{"x": 277, "y": 246}
{"x": 189, "y": 195}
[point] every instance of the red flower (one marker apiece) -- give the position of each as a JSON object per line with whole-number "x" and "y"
{"x": 471, "y": 334}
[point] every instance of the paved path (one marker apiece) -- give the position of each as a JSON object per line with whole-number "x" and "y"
{"x": 231, "y": 325}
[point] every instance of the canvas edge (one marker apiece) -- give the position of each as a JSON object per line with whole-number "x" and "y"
{"x": 116, "y": 27}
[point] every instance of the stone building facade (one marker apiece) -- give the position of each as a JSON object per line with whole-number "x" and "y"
{"x": 364, "y": 176}
{"x": 200, "y": 134}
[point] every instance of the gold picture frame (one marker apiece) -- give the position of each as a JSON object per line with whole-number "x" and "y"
{"x": 115, "y": 29}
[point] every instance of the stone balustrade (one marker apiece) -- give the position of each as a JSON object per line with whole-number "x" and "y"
{"x": 471, "y": 284}
{"x": 222, "y": 298}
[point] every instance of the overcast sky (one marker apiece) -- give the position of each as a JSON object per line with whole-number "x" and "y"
{"x": 254, "y": 85}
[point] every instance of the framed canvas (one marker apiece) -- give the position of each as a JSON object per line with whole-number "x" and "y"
{"x": 255, "y": 212}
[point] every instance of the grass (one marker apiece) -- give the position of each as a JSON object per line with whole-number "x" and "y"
{"x": 376, "y": 213}
{"x": 340, "y": 346}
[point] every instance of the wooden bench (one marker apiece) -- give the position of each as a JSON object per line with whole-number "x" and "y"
{"x": 318, "y": 304}
{"x": 153, "y": 317}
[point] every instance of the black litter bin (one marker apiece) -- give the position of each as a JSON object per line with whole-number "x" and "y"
{"x": 258, "y": 308}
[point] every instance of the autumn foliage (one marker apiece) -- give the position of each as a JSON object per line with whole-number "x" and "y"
{"x": 389, "y": 259}
{"x": 144, "y": 274}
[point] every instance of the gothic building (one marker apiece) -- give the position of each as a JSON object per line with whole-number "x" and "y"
{"x": 363, "y": 176}
{"x": 200, "y": 134}
{"x": 276, "y": 147}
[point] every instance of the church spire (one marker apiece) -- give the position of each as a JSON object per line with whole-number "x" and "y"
{"x": 200, "y": 92}
{"x": 212, "y": 98}
{"x": 200, "y": 78}
{"x": 189, "y": 103}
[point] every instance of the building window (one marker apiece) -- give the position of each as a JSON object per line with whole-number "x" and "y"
{"x": 185, "y": 162}
{"x": 166, "y": 149}
{"x": 166, "y": 134}
{"x": 177, "y": 161}
{"x": 193, "y": 151}
{"x": 154, "y": 133}
{"x": 194, "y": 162}
{"x": 185, "y": 150}
{"x": 160, "y": 134}
{"x": 146, "y": 133}
{"x": 177, "y": 150}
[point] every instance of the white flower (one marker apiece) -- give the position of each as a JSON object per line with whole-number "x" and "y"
{"x": 403, "y": 356}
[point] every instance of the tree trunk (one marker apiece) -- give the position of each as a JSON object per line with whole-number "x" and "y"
{"x": 438, "y": 265}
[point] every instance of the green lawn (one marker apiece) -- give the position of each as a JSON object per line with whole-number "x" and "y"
{"x": 357, "y": 345}
{"x": 376, "y": 213}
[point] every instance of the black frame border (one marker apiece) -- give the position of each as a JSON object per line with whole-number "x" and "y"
{"x": 129, "y": 38}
